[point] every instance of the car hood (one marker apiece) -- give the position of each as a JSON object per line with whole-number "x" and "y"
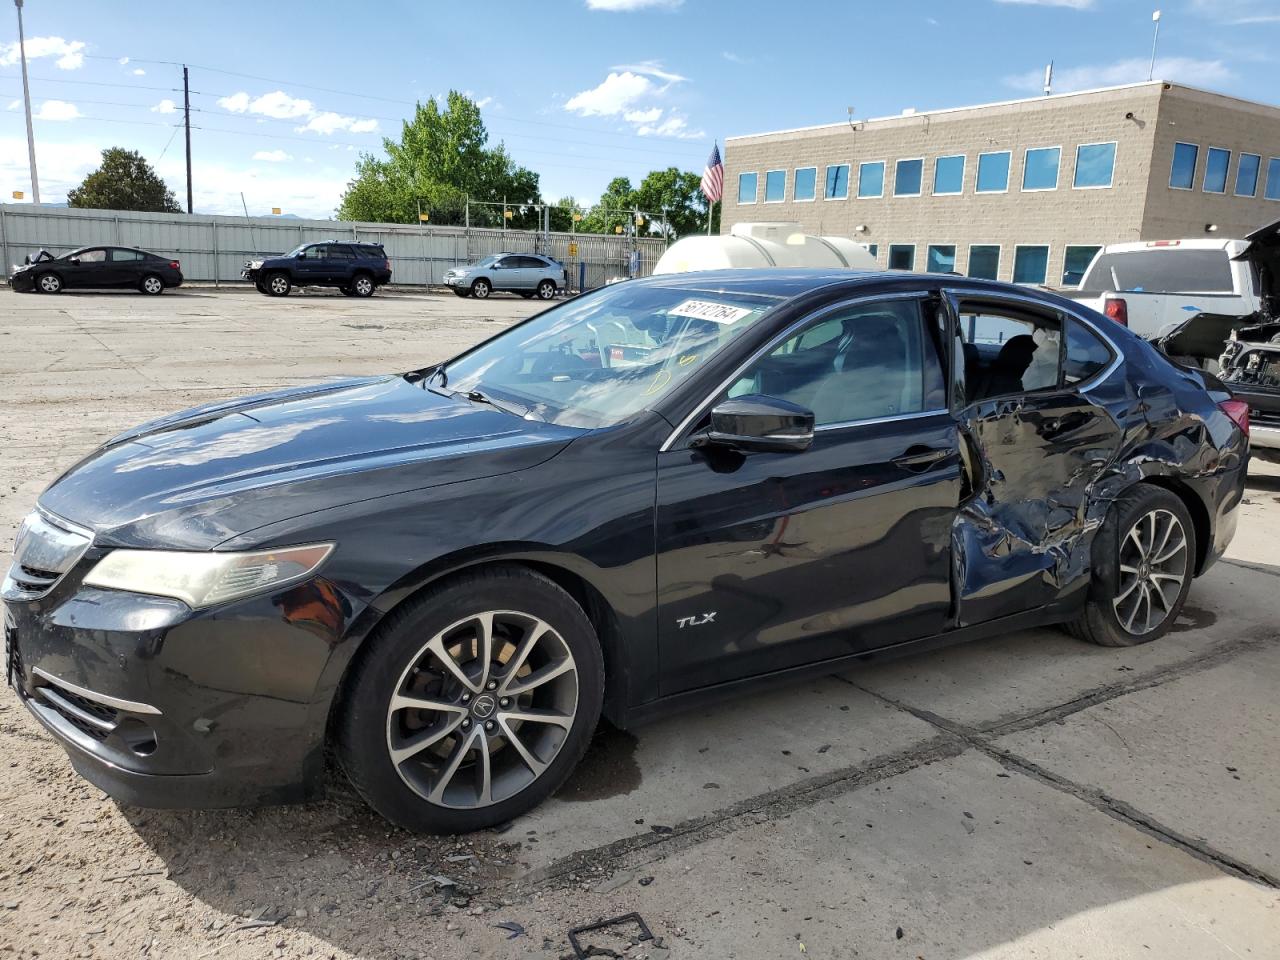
{"x": 199, "y": 478}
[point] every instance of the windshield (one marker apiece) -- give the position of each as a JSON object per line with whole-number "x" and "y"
{"x": 297, "y": 250}
{"x": 1160, "y": 271}
{"x": 489, "y": 260}
{"x": 603, "y": 357}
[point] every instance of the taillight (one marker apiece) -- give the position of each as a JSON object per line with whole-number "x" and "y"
{"x": 1117, "y": 309}
{"x": 175, "y": 265}
{"x": 1238, "y": 411}
{"x": 386, "y": 264}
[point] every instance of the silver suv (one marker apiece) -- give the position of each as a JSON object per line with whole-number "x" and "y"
{"x": 527, "y": 274}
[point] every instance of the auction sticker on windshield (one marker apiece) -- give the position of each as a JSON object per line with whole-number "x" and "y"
{"x": 709, "y": 310}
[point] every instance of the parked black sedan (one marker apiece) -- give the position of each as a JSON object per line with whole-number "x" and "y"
{"x": 92, "y": 268}
{"x": 641, "y": 499}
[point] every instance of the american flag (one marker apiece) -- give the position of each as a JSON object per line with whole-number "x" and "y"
{"x": 713, "y": 176}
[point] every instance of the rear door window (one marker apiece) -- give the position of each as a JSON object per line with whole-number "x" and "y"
{"x": 1009, "y": 350}
{"x": 126, "y": 256}
{"x": 1163, "y": 270}
{"x": 340, "y": 252}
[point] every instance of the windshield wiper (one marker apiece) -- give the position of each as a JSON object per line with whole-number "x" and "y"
{"x": 476, "y": 395}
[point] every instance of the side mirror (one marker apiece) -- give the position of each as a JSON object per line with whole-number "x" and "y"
{"x": 761, "y": 423}
{"x": 27, "y": 259}
{"x": 75, "y": 261}
{"x": 302, "y": 255}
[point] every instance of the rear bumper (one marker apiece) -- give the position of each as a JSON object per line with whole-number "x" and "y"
{"x": 1264, "y": 438}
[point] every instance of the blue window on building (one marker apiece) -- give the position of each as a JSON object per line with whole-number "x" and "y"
{"x": 1216, "y": 164}
{"x": 1182, "y": 174}
{"x": 1075, "y": 261}
{"x": 948, "y": 175}
{"x": 1030, "y": 264}
{"x": 871, "y": 179}
{"x": 747, "y": 187}
{"x": 940, "y": 258}
{"x": 775, "y": 186}
{"x": 907, "y": 177}
{"x": 984, "y": 261}
{"x": 1095, "y": 165}
{"x": 1273, "y": 179}
{"x": 806, "y": 185}
{"x": 1247, "y": 175}
{"x": 837, "y": 181}
{"x": 902, "y": 256}
{"x": 1040, "y": 168}
{"x": 993, "y": 172}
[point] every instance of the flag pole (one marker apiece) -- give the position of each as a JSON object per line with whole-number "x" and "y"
{"x": 710, "y": 211}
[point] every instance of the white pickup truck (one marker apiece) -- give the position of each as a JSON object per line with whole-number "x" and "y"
{"x": 1154, "y": 287}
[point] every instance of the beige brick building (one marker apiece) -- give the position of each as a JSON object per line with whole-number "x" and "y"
{"x": 1024, "y": 190}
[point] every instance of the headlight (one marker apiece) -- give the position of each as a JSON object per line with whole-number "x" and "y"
{"x": 255, "y": 264}
{"x": 203, "y": 579}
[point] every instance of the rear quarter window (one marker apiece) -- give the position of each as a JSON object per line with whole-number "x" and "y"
{"x": 1086, "y": 354}
{"x": 1164, "y": 270}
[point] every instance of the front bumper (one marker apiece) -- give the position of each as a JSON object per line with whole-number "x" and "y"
{"x": 456, "y": 281}
{"x": 22, "y": 282}
{"x": 162, "y": 706}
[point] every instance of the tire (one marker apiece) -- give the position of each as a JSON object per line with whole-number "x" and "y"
{"x": 546, "y": 289}
{"x": 437, "y": 785}
{"x": 49, "y": 283}
{"x": 278, "y": 284}
{"x": 459, "y": 293}
{"x": 481, "y": 289}
{"x": 362, "y": 285}
{"x": 151, "y": 285}
{"x": 1143, "y": 565}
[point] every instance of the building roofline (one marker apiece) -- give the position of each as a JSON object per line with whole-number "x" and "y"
{"x": 1056, "y": 97}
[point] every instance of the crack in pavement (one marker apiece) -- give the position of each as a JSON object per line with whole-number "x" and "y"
{"x": 955, "y": 739}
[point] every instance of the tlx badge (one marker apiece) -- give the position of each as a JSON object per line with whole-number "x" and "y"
{"x": 701, "y": 621}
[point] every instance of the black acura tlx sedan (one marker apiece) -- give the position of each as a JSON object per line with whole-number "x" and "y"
{"x": 643, "y": 497}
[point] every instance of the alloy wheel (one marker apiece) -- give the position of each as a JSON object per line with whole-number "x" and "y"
{"x": 279, "y": 285}
{"x": 1154, "y": 562}
{"x": 50, "y": 283}
{"x": 364, "y": 286}
{"x": 480, "y": 289}
{"x": 152, "y": 285}
{"x": 482, "y": 709}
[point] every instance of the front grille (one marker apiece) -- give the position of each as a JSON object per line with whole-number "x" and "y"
{"x": 45, "y": 549}
{"x": 93, "y": 719}
{"x": 33, "y": 579}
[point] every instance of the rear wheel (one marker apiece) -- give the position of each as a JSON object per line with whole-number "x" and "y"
{"x": 546, "y": 290}
{"x": 1143, "y": 564}
{"x": 49, "y": 283}
{"x": 279, "y": 285}
{"x": 481, "y": 289}
{"x": 151, "y": 285}
{"x": 483, "y": 720}
{"x": 362, "y": 285}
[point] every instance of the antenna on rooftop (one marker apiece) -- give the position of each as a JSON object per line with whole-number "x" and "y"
{"x": 1048, "y": 79}
{"x": 1155, "y": 41}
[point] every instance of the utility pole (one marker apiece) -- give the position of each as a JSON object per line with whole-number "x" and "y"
{"x": 26, "y": 96}
{"x": 1155, "y": 39}
{"x": 186, "y": 119}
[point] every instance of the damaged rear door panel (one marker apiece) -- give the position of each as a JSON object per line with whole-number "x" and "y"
{"x": 1036, "y": 453}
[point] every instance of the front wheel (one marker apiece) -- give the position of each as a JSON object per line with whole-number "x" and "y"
{"x": 279, "y": 285}
{"x": 481, "y": 289}
{"x": 151, "y": 285}
{"x": 49, "y": 283}
{"x": 546, "y": 290}
{"x": 1143, "y": 564}
{"x": 484, "y": 720}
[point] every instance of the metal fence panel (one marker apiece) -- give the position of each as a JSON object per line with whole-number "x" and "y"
{"x": 214, "y": 248}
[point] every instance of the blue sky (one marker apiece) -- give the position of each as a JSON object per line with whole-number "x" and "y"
{"x": 579, "y": 90}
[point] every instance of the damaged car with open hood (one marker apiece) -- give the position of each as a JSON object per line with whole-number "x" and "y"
{"x": 640, "y": 500}
{"x": 1244, "y": 350}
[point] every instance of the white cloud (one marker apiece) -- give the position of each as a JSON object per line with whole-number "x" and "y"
{"x": 278, "y": 105}
{"x": 616, "y": 93}
{"x": 122, "y": 61}
{"x": 14, "y": 105}
{"x": 1073, "y": 4}
{"x": 651, "y": 68}
{"x": 139, "y": 72}
{"x": 1238, "y": 12}
{"x": 643, "y": 116}
{"x": 674, "y": 126}
{"x": 734, "y": 57}
{"x": 165, "y": 106}
{"x": 484, "y": 102}
{"x": 70, "y": 53}
{"x": 272, "y": 156}
{"x": 626, "y": 6}
{"x": 1133, "y": 70}
{"x": 236, "y": 103}
{"x": 62, "y": 165}
{"x": 57, "y": 110}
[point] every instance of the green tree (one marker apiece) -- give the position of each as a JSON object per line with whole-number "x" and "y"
{"x": 124, "y": 181}
{"x": 679, "y": 194}
{"x": 610, "y": 212}
{"x": 442, "y": 158}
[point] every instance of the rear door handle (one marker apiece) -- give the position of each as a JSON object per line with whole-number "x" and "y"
{"x": 919, "y": 457}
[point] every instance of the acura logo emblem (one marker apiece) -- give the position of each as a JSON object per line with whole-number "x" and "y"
{"x": 484, "y": 706}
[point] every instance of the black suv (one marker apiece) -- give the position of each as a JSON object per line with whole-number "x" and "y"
{"x": 357, "y": 269}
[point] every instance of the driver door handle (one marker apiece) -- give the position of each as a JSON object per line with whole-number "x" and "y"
{"x": 919, "y": 457}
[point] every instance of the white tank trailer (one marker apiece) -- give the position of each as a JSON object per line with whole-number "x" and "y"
{"x": 764, "y": 244}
